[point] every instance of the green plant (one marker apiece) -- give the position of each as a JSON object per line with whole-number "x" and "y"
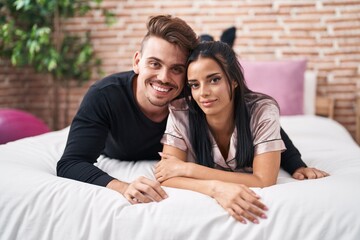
{"x": 31, "y": 35}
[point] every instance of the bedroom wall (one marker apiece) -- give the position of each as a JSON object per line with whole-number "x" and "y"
{"x": 325, "y": 32}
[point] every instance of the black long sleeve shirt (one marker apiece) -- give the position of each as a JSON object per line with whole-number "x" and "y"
{"x": 109, "y": 122}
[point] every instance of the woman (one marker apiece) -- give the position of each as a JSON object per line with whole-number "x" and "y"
{"x": 222, "y": 125}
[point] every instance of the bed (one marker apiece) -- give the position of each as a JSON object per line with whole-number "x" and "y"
{"x": 36, "y": 204}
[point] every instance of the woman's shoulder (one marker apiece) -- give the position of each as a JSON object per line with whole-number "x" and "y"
{"x": 178, "y": 105}
{"x": 258, "y": 101}
{"x": 179, "y": 112}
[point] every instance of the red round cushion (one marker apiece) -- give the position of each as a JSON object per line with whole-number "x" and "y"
{"x": 16, "y": 124}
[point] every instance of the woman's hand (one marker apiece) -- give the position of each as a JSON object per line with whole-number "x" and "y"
{"x": 169, "y": 167}
{"x": 239, "y": 201}
{"x": 309, "y": 173}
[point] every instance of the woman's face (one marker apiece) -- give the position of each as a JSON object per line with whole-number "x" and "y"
{"x": 210, "y": 87}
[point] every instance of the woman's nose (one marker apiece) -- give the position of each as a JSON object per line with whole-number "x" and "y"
{"x": 204, "y": 90}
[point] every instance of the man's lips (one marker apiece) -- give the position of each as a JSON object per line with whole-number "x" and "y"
{"x": 163, "y": 88}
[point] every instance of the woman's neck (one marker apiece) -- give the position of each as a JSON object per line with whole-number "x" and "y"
{"x": 222, "y": 123}
{"x": 222, "y": 127}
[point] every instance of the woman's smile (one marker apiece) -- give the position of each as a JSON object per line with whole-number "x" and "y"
{"x": 207, "y": 103}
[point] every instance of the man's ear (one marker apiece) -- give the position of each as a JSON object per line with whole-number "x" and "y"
{"x": 136, "y": 60}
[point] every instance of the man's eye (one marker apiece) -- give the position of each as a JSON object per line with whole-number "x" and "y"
{"x": 178, "y": 70}
{"x": 154, "y": 64}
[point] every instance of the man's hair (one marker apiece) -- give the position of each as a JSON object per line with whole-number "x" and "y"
{"x": 172, "y": 29}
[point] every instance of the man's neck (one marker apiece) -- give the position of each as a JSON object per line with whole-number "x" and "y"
{"x": 156, "y": 115}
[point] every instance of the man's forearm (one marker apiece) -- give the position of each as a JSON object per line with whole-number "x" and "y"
{"x": 291, "y": 157}
{"x": 118, "y": 186}
{"x": 82, "y": 171}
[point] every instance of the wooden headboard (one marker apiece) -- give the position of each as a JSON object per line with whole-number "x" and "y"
{"x": 325, "y": 106}
{"x": 357, "y": 107}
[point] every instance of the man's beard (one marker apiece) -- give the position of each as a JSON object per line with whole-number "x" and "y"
{"x": 157, "y": 103}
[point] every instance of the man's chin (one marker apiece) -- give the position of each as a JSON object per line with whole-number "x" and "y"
{"x": 159, "y": 102}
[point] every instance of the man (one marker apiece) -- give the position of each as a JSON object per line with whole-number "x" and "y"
{"x": 124, "y": 115}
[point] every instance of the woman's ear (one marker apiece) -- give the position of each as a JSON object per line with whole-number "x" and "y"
{"x": 235, "y": 84}
{"x": 136, "y": 60}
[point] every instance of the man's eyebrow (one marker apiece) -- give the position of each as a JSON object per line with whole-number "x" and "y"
{"x": 159, "y": 60}
{"x": 154, "y": 58}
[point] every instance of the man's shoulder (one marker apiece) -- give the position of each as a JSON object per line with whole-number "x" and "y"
{"x": 116, "y": 79}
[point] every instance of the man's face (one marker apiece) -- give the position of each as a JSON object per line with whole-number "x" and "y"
{"x": 161, "y": 72}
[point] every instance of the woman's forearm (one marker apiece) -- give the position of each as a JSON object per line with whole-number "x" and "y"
{"x": 237, "y": 199}
{"x": 205, "y": 173}
{"x": 202, "y": 186}
{"x": 265, "y": 171}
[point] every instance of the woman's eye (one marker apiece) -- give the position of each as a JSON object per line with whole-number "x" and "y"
{"x": 215, "y": 80}
{"x": 193, "y": 85}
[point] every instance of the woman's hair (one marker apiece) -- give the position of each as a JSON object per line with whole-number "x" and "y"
{"x": 226, "y": 58}
{"x": 172, "y": 29}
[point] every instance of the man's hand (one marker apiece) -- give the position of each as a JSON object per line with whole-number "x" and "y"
{"x": 309, "y": 173}
{"x": 142, "y": 190}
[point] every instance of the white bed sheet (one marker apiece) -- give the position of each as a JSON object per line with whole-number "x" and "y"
{"x": 36, "y": 204}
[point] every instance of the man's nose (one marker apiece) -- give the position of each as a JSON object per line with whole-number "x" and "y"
{"x": 163, "y": 75}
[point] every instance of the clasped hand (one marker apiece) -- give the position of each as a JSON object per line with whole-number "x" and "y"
{"x": 168, "y": 167}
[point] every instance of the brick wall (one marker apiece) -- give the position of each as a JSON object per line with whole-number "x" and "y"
{"x": 325, "y": 32}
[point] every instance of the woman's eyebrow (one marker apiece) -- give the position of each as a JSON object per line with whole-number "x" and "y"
{"x": 207, "y": 76}
{"x": 212, "y": 74}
